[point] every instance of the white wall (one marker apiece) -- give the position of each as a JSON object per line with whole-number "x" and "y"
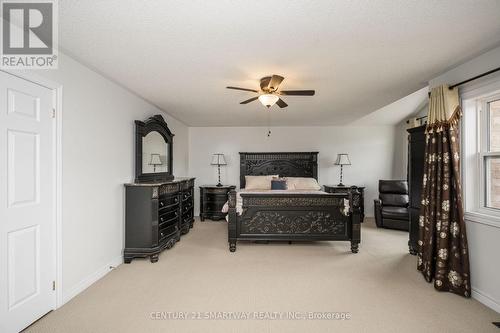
{"x": 484, "y": 239}
{"x": 370, "y": 149}
{"x": 98, "y": 158}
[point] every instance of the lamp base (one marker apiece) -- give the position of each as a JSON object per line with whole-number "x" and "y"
{"x": 219, "y": 185}
{"x": 340, "y": 184}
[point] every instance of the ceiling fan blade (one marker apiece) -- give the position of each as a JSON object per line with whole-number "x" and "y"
{"x": 245, "y": 89}
{"x": 275, "y": 82}
{"x": 249, "y": 100}
{"x": 281, "y": 103}
{"x": 297, "y": 92}
{"x": 264, "y": 83}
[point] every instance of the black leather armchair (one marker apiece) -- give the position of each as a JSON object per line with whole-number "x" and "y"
{"x": 391, "y": 208}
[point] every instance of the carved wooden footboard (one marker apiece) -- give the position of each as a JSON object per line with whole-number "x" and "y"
{"x": 295, "y": 217}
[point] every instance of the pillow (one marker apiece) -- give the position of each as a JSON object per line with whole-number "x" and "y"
{"x": 258, "y": 182}
{"x": 278, "y": 184}
{"x": 303, "y": 183}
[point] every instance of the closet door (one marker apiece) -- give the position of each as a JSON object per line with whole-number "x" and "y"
{"x": 27, "y": 265}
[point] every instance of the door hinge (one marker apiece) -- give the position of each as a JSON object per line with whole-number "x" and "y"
{"x": 53, "y": 285}
{"x": 53, "y": 113}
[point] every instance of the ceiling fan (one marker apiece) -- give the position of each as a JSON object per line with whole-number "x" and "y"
{"x": 269, "y": 93}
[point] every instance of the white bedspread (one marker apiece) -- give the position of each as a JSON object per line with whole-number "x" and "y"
{"x": 239, "y": 201}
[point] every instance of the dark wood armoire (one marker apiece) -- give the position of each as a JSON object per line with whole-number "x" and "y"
{"x": 416, "y": 156}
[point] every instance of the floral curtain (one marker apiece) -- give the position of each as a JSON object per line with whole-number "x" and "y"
{"x": 442, "y": 246}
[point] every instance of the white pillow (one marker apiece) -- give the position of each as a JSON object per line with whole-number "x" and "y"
{"x": 302, "y": 183}
{"x": 259, "y": 182}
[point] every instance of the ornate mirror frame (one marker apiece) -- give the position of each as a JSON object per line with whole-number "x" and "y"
{"x": 155, "y": 123}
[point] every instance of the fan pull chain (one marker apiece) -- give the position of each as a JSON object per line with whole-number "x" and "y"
{"x": 268, "y": 123}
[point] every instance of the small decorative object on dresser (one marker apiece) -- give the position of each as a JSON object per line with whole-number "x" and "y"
{"x": 342, "y": 159}
{"x": 347, "y": 189}
{"x": 212, "y": 199}
{"x": 159, "y": 207}
{"x": 218, "y": 159}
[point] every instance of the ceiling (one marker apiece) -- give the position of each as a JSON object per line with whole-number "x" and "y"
{"x": 404, "y": 108}
{"x": 358, "y": 55}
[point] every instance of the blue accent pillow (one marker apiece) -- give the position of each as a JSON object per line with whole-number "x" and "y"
{"x": 278, "y": 184}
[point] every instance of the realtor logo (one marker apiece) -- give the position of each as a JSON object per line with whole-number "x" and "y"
{"x": 29, "y": 34}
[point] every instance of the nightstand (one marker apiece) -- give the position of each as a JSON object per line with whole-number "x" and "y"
{"x": 212, "y": 199}
{"x": 345, "y": 189}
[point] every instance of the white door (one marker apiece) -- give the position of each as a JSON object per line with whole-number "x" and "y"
{"x": 27, "y": 265}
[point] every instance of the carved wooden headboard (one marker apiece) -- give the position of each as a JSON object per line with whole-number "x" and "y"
{"x": 303, "y": 164}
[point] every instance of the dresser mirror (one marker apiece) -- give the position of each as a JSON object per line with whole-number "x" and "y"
{"x": 153, "y": 146}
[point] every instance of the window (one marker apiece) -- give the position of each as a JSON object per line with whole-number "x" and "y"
{"x": 491, "y": 155}
{"x": 481, "y": 150}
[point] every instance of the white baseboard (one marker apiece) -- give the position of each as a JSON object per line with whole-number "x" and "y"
{"x": 91, "y": 279}
{"x": 486, "y": 300}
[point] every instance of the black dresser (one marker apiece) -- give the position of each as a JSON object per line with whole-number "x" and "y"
{"x": 212, "y": 199}
{"x": 416, "y": 157}
{"x": 156, "y": 216}
{"x": 345, "y": 189}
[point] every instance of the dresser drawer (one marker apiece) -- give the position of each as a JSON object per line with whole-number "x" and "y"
{"x": 187, "y": 213}
{"x": 168, "y": 201}
{"x": 187, "y": 206}
{"x": 168, "y": 216}
{"x": 167, "y": 232}
{"x": 186, "y": 195}
{"x": 187, "y": 217}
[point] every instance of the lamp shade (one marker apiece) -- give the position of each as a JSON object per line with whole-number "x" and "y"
{"x": 268, "y": 99}
{"x": 155, "y": 159}
{"x": 218, "y": 159}
{"x": 343, "y": 159}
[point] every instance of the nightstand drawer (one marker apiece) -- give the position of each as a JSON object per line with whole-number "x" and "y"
{"x": 216, "y": 197}
{"x": 222, "y": 191}
{"x": 213, "y": 206}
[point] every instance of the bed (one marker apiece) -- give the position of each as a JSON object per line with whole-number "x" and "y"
{"x": 290, "y": 215}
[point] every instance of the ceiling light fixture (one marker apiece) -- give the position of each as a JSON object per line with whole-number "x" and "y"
{"x": 268, "y": 99}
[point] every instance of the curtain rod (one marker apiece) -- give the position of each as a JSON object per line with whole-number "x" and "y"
{"x": 475, "y": 78}
{"x": 472, "y": 79}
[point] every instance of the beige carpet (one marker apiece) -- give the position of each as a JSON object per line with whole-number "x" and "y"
{"x": 379, "y": 287}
